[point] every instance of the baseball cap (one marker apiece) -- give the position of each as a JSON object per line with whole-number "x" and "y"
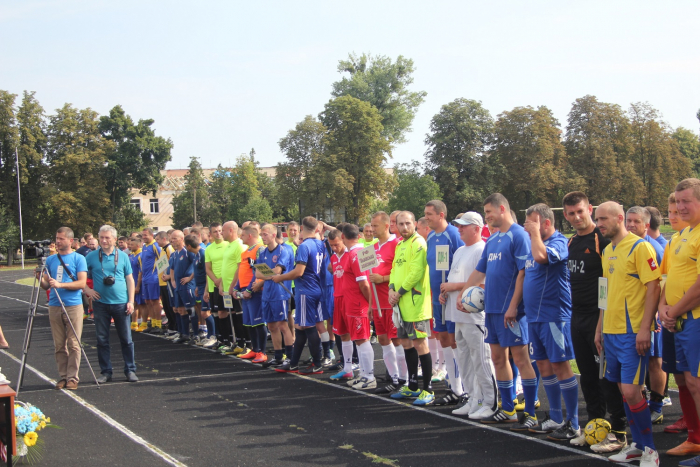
{"x": 470, "y": 217}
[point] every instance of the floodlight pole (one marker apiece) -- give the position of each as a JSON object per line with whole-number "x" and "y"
{"x": 19, "y": 202}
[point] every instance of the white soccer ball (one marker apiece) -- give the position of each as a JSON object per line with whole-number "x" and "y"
{"x": 473, "y": 299}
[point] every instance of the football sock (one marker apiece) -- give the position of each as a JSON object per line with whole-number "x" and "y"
{"x": 537, "y": 375}
{"x": 217, "y": 327}
{"x": 642, "y": 418}
{"x": 389, "y": 355}
{"x": 433, "y": 345}
{"x": 299, "y": 343}
{"x": 347, "y": 356}
{"x": 355, "y": 358}
{"x": 326, "y": 344}
{"x": 178, "y": 321}
{"x": 366, "y": 353}
{"x": 530, "y": 392}
{"x": 289, "y": 350}
{"x": 339, "y": 345}
{"x": 440, "y": 362}
{"x": 569, "y": 390}
{"x": 656, "y": 402}
{"x": 279, "y": 354}
{"x": 314, "y": 345}
{"x": 412, "y": 363}
{"x": 426, "y": 362}
{"x": 553, "y": 390}
{"x": 254, "y": 346}
{"x": 690, "y": 414}
{"x": 210, "y": 326}
{"x": 401, "y": 362}
{"x": 507, "y": 394}
{"x": 185, "y": 325}
{"x": 454, "y": 381}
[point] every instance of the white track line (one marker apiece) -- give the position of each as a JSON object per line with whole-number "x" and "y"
{"x": 107, "y": 419}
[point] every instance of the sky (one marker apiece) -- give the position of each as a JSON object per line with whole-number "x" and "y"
{"x": 220, "y": 78}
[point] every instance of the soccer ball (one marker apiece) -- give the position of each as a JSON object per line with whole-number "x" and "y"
{"x": 473, "y": 299}
{"x": 596, "y": 430}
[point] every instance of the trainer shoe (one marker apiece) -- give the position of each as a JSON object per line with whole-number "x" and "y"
{"x": 546, "y": 426}
{"x": 501, "y": 416}
{"x": 332, "y": 355}
{"x": 339, "y": 365}
{"x": 260, "y": 357}
{"x": 581, "y": 441}
{"x": 157, "y": 331}
{"x": 365, "y": 384}
{"x": 678, "y": 427}
{"x": 311, "y": 370}
{"x": 308, "y": 361}
{"x": 273, "y": 363}
{"x": 481, "y": 413}
{"x": 685, "y": 449}
{"x": 667, "y": 401}
{"x": 405, "y": 393}
{"x": 657, "y": 417}
{"x": 650, "y": 458}
{"x": 565, "y": 433}
{"x": 611, "y": 443}
{"x": 438, "y": 375}
{"x": 181, "y": 340}
{"x": 519, "y": 405}
{"x": 287, "y": 367}
{"x": 209, "y": 343}
{"x": 695, "y": 461}
{"x": 237, "y": 350}
{"x": 342, "y": 375}
{"x": 248, "y": 355}
{"x": 172, "y": 337}
{"x": 149, "y": 329}
{"x": 525, "y": 422}
{"x": 355, "y": 366}
{"x": 388, "y": 389}
{"x": 425, "y": 398}
{"x": 628, "y": 454}
{"x": 354, "y": 380}
{"x": 450, "y": 398}
{"x": 134, "y": 326}
{"x": 326, "y": 362}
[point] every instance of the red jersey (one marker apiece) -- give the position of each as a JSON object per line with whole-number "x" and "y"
{"x": 385, "y": 256}
{"x": 485, "y": 233}
{"x": 338, "y": 265}
{"x": 355, "y": 303}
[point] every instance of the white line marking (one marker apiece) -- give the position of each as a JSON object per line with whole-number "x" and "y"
{"x": 23, "y": 301}
{"x": 107, "y": 419}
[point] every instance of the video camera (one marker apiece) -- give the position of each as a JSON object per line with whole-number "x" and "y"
{"x": 40, "y": 248}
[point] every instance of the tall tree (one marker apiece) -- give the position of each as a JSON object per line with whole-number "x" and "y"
{"x": 457, "y": 156}
{"x": 413, "y": 189}
{"x": 528, "y": 147}
{"x": 689, "y": 145}
{"x": 8, "y": 144}
{"x": 599, "y": 148}
{"x": 135, "y": 158}
{"x": 385, "y": 85}
{"x": 193, "y": 199}
{"x": 354, "y": 142}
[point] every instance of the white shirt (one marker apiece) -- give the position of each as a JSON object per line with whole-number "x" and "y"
{"x": 464, "y": 262}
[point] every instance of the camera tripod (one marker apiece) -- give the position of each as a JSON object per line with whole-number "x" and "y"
{"x": 36, "y": 289}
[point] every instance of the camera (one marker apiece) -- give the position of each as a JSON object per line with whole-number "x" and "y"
{"x": 108, "y": 280}
{"x": 39, "y": 247}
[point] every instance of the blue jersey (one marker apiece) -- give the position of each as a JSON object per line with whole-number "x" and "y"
{"x": 450, "y": 237}
{"x": 149, "y": 255}
{"x": 503, "y": 257}
{"x": 310, "y": 253}
{"x": 200, "y": 268}
{"x": 280, "y": 256}
{"x": 182, "y": 263}
{"x": 135, "y": 260}
{"x": 661, "y": 240}
{"x": 326, "y": 277}
{"x": 546, "y": 290}
{"x": 75, "y": 263}
{"x": 657, "y": 248}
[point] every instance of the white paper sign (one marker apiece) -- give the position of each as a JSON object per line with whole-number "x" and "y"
{"x": 228, "y": 301}
{"x": 264, "y": 269}
{"x": 59, "y": 274}
{"x": 442, "y": 257}
{"x": 162, "y": 264}
{"x": 603, "y": 293}
{"x": 367, "y": 258}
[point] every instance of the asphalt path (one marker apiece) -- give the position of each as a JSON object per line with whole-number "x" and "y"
{"x": 195, "y": 407}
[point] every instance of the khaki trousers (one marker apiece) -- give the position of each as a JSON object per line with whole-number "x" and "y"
{"x": 66, "y": 346}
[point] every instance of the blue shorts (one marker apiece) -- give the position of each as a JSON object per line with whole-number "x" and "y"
{"x": 327, "y": 301}
{"x": 199, "y": 296}
{"x": 497, "y": 333}
{"x": 687, "y": 348}
{"x": 657, "y": 348}
{"x": 668, "y": 352}
{"x": 252, "y": 310}
{"x": 138, "y": 298}
{"x": 275, "y": 311}
{"x": 551, "y": 341}
{"x": 622, "y": 362}
{"x": 150, "y": 290}
{"x": 449, "y": 326}
{"x": 308, "y": 311}
{"x": 183, "y": 297}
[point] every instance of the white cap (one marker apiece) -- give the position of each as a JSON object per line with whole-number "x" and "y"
{"x": 470, "y": 217}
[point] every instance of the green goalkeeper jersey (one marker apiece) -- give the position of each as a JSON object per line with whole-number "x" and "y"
{"x": 409, "y": 277}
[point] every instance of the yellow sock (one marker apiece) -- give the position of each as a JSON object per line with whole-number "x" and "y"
{"x": 158, "y": 323}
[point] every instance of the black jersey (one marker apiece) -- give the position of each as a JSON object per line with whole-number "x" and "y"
{"x": 585, "y": 267}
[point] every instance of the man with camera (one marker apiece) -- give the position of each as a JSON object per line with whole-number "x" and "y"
{"x": 65, "y": 271}
{"x": 113, "y": 299}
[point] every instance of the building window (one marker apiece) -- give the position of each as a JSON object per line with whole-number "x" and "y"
{"x": 136, "y": 203}
{"x": 154, "y": 206}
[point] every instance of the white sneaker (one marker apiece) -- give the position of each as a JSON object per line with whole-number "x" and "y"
{"x": 464, "y": 410}
{"x": 474, "y": 406}
{"x": 365, "y": 383}
{"x": 482, "y": 413}
{"x": 209, "y": 343}
{"x": 354, "y": 381}
{"x": 173, "y": 336}
{"x": 609, "y": 444}
{"x": 650, "y": 458}
{"x": 629, "y": 454}
{"x": 579, "y": 440}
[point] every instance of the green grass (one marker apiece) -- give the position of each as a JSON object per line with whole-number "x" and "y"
{"x": 26, "y": 281}
{"x": 666, "y": 229}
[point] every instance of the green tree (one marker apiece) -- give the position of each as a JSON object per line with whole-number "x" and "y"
{"x": 689, "y": 145}
{"x": 413, "y": 189}
{"x": 193, "y": 199}
{"x": 457, "y": 156}
{"x": 385, "y": 85}
{"x": 135, "y": 158}
{"x": 220, "y": 198}
{"x": 599, "y": 148}
{"x": 656, "y": 155}
{"x": 8, "y": 144}
{"x": 258, "y": 209}
{"x": 9, "y": 233}
{"x": 245, "y": 184}
{"x": 354, "y": 142}
{"x": 528, "y": 147}
{"x": 129, "y": 219}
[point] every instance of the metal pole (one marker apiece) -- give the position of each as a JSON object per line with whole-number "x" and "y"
{"x": 443, "y": 305}
{"x": 19, "y": 201}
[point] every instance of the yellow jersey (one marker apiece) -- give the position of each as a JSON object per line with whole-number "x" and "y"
{"x": 629, "y": 266}
{"x": 167, "y": 251}
{"x": 683, "y": 266}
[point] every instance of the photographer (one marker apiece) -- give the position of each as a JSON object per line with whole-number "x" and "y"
{"x": 113, "y": 299}
{"x": 67, "y": 271}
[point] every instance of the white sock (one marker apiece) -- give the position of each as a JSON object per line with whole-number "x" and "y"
{"x": 441, "y": 356}
{"x": 389, "y": 354}
{"x": 366, "y": 354}
{"x": 401, "y": 362}
{"x": 433, "y": 345}
{"x": 347, "y": 356}
{"x": 325, "y": 337}
{"x": 454, "y": 380}
{"x": 139, "y": 321}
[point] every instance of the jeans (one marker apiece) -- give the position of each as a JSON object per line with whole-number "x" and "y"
{"x": 103, "y": 314}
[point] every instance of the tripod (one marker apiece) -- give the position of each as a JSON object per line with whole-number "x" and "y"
{"x": 36, "y": 289}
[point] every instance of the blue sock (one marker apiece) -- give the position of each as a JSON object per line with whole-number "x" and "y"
{"x": 642, "y": 418}
{"x": 178, "y": 322}
{"x": 326, "y": 349}
{"x": 299, "y": 344}
{"x": 634, "y": 429}
{"x": 537, "y": 375}
{"x": 551, "y": 387}
{"x": 279, "y": 354}
{"x": 185, "y": 320}
{"x": 314, "y": 344}
{"x": 507, "y": 395}
{"x": 255, "y": 347}
{"x": 262, "y": 337}
{"x": 289, "y": 350}
{"x": 211, "y": 328}
{"x": 332, "y": 344}
{"x": 516, "y": 373}
{"x": 569, "y": 389}
{"x": 530, "y": 391}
